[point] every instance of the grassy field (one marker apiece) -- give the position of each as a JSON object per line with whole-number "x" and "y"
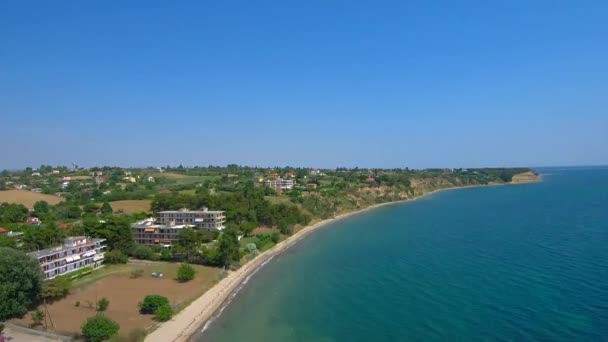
{"x": 131, "y": 206}
{"x": 27, "y": 198}
{"x": 169, "y": 175}
{"x": 278, "y": 200}
{"x": 124, "y": 293}
{"x": 194, "y": 179}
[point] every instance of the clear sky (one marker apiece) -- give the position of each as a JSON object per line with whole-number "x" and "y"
{"x": 304, "y": 83}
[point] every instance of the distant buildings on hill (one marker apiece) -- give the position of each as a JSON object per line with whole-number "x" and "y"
{"x": 165, "y": 228}
{"x": 76, "y": 252}
{"x": 279, "y": 184}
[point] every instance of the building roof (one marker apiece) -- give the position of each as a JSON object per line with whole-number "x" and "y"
{"x": 3, "y": 230}
{"x": 191, "y": 211}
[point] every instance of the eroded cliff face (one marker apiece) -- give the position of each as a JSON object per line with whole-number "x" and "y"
{"x": 525, "y": 177}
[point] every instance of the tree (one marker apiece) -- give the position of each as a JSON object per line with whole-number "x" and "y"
{"x": 185, "y": 273}
{"x": 102, "y": 304}
{"x": 56, "y": 288}
{"x": 151, "y": 303}
{"x": 106, "y": 208}
{"x": 6, "y": 241}
{"x": 41, "y": 237}
{"x": 12, "y": 213}
{"x": 228, "y": 248}
{"x": 115, "y": 229}
{"x": 189, "y": 240}
{"x": 115, "y": 257}
{"x": 143, "y": 252}
{"x": 163, "y": 313}
{"x": 37, "y": 317}
{"x": 90, "y": 208}
{"x": 20, "y": 282}
{"x": 99, "y": 328}
{"x": 41, "y": 208}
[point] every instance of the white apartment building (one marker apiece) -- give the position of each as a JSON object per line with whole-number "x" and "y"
{"x": 77, "y": 252}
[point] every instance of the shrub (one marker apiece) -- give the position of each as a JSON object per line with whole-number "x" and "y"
{"x": 163, "y": 313}
{"x": 185, "y": 273}
{"x": 77, "y": 304}
{"x": 99, "y": 328}
{"x": 151, "y": 303}
{"x": 142, "y": 252}
{"x": 115, "y": 257}
{"x": 37, "y": 317}
{"x": 166, "y": 255}
{"x": 55, "y": 288}
{"x": 136, "y": 273}
{"x": 1, "y": 327}
{"x": 102, "y": 304}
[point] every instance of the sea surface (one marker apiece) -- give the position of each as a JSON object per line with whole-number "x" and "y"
{"x": 502, "y": 263}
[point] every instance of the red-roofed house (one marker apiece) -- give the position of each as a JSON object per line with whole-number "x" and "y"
{"x": 63, "y": 226}
{"x": 3, "y": 231}
{"x": 33, "y": 220}
{"x": 370, "y": 179}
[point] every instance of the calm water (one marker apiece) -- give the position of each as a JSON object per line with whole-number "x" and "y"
{"x": 513, "y": 263}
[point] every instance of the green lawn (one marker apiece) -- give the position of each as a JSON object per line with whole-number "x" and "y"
{"x": 278, "y": 199}
{"x": 194, "y": 179}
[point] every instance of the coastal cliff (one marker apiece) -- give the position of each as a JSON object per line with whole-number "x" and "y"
{"x": 525, "y": 177}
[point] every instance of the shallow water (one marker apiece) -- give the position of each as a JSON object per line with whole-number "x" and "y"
{"x": 524, "y": 262}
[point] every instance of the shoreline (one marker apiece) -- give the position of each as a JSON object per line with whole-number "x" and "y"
{"x": 185, "y": 324}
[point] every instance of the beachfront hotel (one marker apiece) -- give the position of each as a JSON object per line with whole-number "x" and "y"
{"x": 165, "y": 228}
{"x": 76, "y": 252}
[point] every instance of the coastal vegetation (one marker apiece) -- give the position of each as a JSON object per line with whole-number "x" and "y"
{"x": 106, "y": 205}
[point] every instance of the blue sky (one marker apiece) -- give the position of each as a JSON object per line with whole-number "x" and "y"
{"x": 304, "y": 83}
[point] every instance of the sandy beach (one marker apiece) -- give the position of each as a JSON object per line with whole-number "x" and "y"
{"x": 187, "y": 321}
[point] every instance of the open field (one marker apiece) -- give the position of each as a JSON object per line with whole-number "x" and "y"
{"x": 27, "y": 198}
{"x": 124, "y": 294}
{"x": 170, "y": 175}
{"x": 278, "y": 200}
{"x": 131, "y": 206}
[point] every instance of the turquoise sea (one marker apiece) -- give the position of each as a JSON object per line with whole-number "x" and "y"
{"x": 505, "y": 263}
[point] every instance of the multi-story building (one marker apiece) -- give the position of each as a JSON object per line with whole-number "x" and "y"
{"x": 279, "y": 184}
{"x": 165, "y": 228}
{"x": 76, "y": 253}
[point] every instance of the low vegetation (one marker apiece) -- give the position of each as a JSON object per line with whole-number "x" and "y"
{"x": 99, "y": 328}
{"x": 185, "y": 273}
{"x": 151, "y": 303}
{"x": 102, "y": 304}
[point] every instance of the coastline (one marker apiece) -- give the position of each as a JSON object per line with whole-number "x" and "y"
{"x": 185, "y": 324}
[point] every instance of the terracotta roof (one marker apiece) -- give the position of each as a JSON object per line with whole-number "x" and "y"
{"x": 2, "y": 230}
